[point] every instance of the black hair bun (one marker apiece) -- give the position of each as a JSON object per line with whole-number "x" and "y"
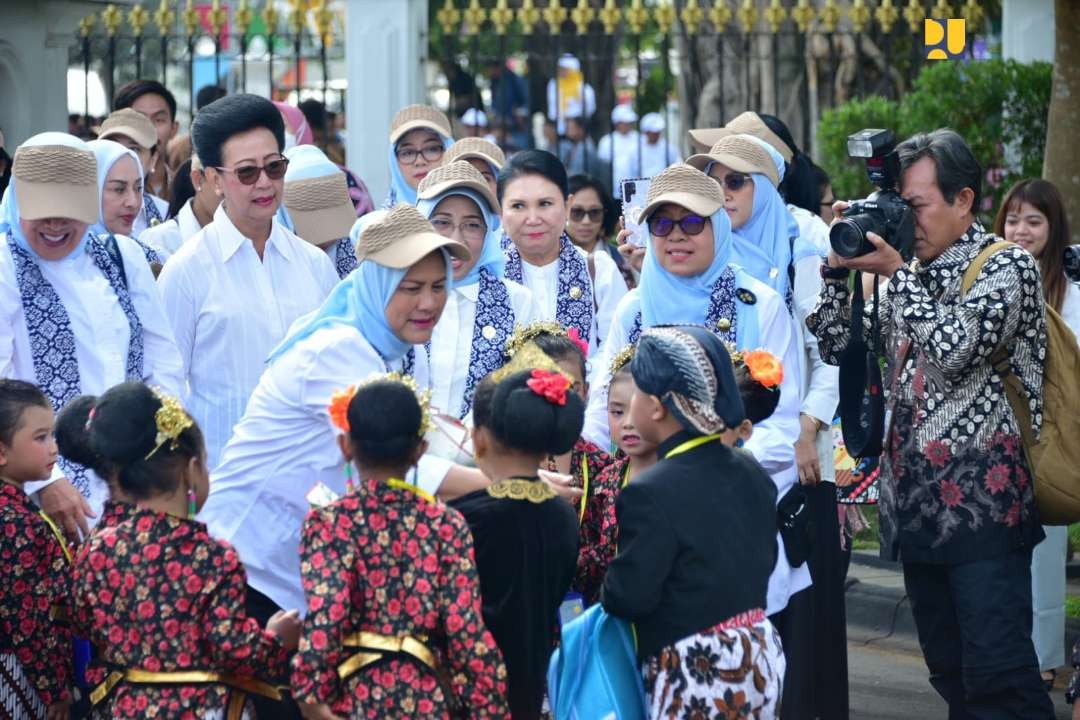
{"x": 124, "y": 429}
{"x": 526, "y": 421}
{"x": 385, "y": 418}
{"x": 73, "y": 437}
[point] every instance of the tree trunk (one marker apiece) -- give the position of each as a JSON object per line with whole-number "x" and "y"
{"x": 1061, "y": 162}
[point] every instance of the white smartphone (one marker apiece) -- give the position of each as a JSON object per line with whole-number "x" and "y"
{"x": 633, "y": 192}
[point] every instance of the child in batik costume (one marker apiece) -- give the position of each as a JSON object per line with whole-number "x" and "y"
{"x": 696, "y": 539}
{"x": 161, "y": 601}
{"x": 35, "y": 639}
{"x": 394, "y": 626}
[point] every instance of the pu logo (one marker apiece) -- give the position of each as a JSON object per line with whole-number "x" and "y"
{"x": 944, "y": 39}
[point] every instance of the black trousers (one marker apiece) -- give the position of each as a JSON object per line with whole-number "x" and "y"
{"x": 795, "y": 625}
{"x": 974, "y": 623}
{"x": 828, "y": 567}
{"x": 262, "y": 608}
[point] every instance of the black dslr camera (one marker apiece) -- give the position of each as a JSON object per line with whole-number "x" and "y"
{"x": 884, "y": 212}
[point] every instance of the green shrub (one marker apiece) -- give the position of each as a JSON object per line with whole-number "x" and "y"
{"x": 986, "y": 102}
{"x": 848, "y": 175}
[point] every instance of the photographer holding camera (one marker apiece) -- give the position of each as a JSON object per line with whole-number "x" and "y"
{"x": 957, "y": 504}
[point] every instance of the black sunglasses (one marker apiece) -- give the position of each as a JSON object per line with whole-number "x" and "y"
{"x": 733, "y": 181}
{"x": 249, "y": 174}
{"x": 662, "y": 226}
{"x": 577, "y": 214}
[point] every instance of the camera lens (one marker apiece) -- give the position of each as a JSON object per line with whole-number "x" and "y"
{"x": 847, "y": 238}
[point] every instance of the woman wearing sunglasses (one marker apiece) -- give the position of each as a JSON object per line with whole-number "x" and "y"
{"x": 482, "y": 307}
{"x": 233, "y": 290}
{"x": 570, "y": 287}
{"x": 419, "y": 137}
{"x": 689, "y": 278}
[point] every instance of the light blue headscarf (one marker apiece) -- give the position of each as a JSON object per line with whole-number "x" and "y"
{"x": 668, "y": 299}
{"x": 491, "y": 256}
{"x": 108, "y": 153}
{"x": 762, "y": 246}
{"x": 9, "y": 206}
{"x": 360, "y": 300}
{"x": 401, "y": 191}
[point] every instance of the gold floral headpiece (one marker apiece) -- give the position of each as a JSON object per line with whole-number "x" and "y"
{"x": 622, "y": 359}
{"x": 339, "y": 401}
{"x": 171, "y": 420}
{"x": 528, "y": 357}
{"x": 525, "y": 333}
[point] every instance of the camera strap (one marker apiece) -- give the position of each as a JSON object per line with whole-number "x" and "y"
{"x": 862, "y": 400}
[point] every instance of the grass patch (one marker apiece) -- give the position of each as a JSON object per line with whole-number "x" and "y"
{"x": 868, "y": 538}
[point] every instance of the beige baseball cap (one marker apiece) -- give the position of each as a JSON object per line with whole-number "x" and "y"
{"x": 56, "y": 179}
{"x": 131, "y": 123}
{"x": 685, "y": 186}
{"x": 403, "y": 237}
{"x": 478, "y": 148}
{"x": 748, "y": 123}
{"x": 320, "y": 208}
{"x": 415, "y": 117}
{"x": 741, "y": 153}
{"x": 456, "y": 175}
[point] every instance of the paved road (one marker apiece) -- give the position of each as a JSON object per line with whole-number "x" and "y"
{"x": 888, "y": 682}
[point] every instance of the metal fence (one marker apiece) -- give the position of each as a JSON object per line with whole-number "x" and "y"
{"x": 719, "y": 57}
{"x": 120, "y": 44}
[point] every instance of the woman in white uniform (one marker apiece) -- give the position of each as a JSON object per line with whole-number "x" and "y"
{"x": 80, "y": 312}
{"x": 233, "y": 290}
{"x": 569, "y": 286}
{"x": 483, "y": 307}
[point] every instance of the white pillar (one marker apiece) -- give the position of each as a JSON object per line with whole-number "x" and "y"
{"x": 1027, "y": 30}
{"x": 34, "y": 43}
{"x": 385, "y": 48}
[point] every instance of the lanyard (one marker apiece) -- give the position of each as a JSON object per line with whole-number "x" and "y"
{"x": 59, "y": 535}
{"x": 402, "y": 485}
{"x": 691, "y": 444}
{"x": 584, "y": 485}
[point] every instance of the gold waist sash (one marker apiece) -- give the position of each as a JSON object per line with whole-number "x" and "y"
{"x": 372, "y": 647}
{"x": 241, "y": 684}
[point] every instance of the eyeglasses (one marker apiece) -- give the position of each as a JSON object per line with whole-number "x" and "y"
{"x": 662, "y": 226}
{"x": 595, "y": 215}
{"x": 470, "y": 229}
{"x": 249, "y": 174}
{"x": 733, "y": 181}
{"x": 408, "y": 156}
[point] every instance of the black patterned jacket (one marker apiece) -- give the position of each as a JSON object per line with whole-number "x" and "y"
{"x": 955, "y": 485}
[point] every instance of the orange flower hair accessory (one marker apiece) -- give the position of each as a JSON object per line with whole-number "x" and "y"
{"x": 339, "y": 407}
{"x": 551, "y": 386}
{"x": 764, "y": 367}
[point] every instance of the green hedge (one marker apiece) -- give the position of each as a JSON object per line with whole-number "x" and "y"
{"x": 985, "y": 101}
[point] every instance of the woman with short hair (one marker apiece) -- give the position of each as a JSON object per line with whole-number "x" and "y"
{"x": 234, "y": 289}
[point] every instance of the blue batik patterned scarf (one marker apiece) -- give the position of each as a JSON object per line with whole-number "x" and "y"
{"x": 574, "y": 302}
{"x": 52, "y": 343}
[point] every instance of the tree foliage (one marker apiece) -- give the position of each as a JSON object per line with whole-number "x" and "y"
{"x": 998, "y": 106}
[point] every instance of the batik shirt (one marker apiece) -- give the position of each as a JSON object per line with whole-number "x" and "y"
{"x": 955, "y": 486}
{"x": 599, "y": 529}
{"x": 587, "y": 461}
{"x": 33, "y": 601}
{"x": 157, "y": 593}
{"x": 386, "y": 560}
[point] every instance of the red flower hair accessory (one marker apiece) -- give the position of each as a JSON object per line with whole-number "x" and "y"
{"x": 551, "y": 386}
{"x": 575, "y": 335}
